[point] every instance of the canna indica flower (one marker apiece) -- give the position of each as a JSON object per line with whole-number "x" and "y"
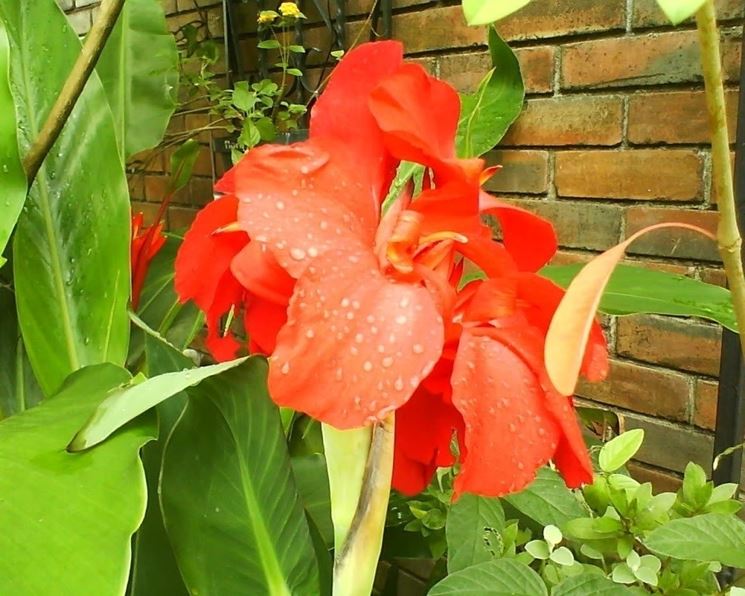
{"x": 377, "y": 319}
{"x": 146, "y": 242}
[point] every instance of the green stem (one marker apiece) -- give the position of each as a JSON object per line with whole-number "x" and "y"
{"x": 73, "y": 87}
{"x": 728, "y": 234}
{"x": 356, "y": 562}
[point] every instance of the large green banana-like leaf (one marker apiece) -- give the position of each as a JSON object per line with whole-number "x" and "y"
{"x": 12, "y": 177}
{"x": 243, "y": 531}
{"x": 139, "y": 72}
{"x": 71, "y": 247}
{"x": 18, "y": 387}
{"x": 67, "y": 519}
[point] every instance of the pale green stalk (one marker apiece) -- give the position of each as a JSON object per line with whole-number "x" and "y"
{"x": 728, "y": 234}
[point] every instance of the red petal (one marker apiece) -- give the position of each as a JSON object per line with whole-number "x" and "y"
{"x": 345, "y": 101}
{"x": 263, "y": 320}
{"x": 258, "y": 271}
{"x": 204, "y": 257}
{"x": 571, "y": 457}
{"x": 222, "y": 344}
{"x": 356, "y": 344}
{"x": 226, "y": 184}
{"x": 303, "y": 200}
{"x": 531, "y": 240}
{"x": 418, "y": 115}
{"x": 509, "y": 434}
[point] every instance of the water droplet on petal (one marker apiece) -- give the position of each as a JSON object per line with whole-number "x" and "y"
{"x": 297, "y": 253}
{"x": 387, "y": 362}
{"x": 279, "y": 205}
{"x": 367, "y": 366}
{"x": 285, "y": 368}
{"x": 398, "y": 384}
{"x": 418, "y": 349}
{"x": 401, "y": 319}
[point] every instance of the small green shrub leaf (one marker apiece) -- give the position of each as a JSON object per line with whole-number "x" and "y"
{"x": 616, "y": 452}
{"x": 468, "y": 521}
{"x": 589, "y": 585}
{"x": 503, "y": 577}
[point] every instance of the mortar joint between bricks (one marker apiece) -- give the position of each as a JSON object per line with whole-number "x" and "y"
{"x": 551, "y": 194}
{"x": 707, "y": 173}
{"x": 629, "y": 15}
{"x": 625, "y": 121}
{"x": 559, "y": 49}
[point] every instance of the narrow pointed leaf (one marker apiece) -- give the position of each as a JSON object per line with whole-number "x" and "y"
{"x": 635, "y": 290}
{"x": 679, "y": 10}
{"x": 128, "y": 402}
{"x": 71, "y": 245}
{"x": 18, "y": 387}
{"x": 570, "y": 328}
{"x": 483, "y": 12}
{"x": 12, "y": 177}
{"x": 139, "y": 72}
{"x": 487, "y": 114}
{"x": 68, "y": 518}
{"x": 245, "y": 531}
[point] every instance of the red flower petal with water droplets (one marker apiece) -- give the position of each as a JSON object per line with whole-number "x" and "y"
{"x": 531, "y": 240}
{"x": 344, "y": 102}
{"x": 258, "y": 271}
{"x": 303, "y": 200}
{"x": 230, "y": 294}
{"x": 356, "y": 344}
{"x": 205, "y": 256}
{"x": 509, "y": 433}
{"x": 263, "y": 319}
{"x": 418, "y": 115}
{"x": 424, "y": 432}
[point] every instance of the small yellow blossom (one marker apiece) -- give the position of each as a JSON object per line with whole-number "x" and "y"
{"x": 267, "y": 16}
{"x": 290, "y": 9}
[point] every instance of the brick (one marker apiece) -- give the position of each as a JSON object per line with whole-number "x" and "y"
{"x": 537, "y": 66}
{"x": 670, "y": 446}
{"x": 464, "y": 71}
{"x": 705, "y": 403}
{"x": 156, "y": 187}
{"x": 674, "y": 343}
{"x": 661, "y": 480}
{"x": 436, "y": 28}
{"x": 647, "y": 13}
{"x": 714, "y": 275}
{"x": 136, "y": 185}
{"x": 632, "y": 386}
{"x": 674, "y": 117}
{"x": 672, "y": 242}
{"x": 653, "y": 59}
{"x": 540, "y": 20}
{"x": 363, "y": 7}
{"x": 203, "y": 163}
{"x": 148, "y": 210}
{"x": 522, "y": 172}
{"x": 569, "y": 120}
{"x": 578, "y": 225}
{"x": 180, "y": 218}
{"x": 80, "y": 3}
{"x": 200, "y": 191}
{"x": 65, "y": 4}
{"x": 642, "y": 174}
{"x": 170, "y": 6}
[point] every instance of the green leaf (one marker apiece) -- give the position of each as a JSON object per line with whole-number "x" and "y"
{"x": 679, "y": 10}
{"x": 503, "y": 577}
{"x": 589, "y": 585}
{"x": 709, "y": 537}
{"x": 616, "y": 452}
{"x": 547, "y": 500}
{"x": 487, "y": 114}
{"x": 634, "y": 290}
{"x": 18, "y": 387}
{"x": 154, "y": 568}
{"x": 67, "y": 518}
{"x": 295, "y": 72}
{"x": 245, "y": 531}
{"x": 160, "y": 307}
{"x": 182, "y": 164}
{"x": 128, "y": 402}
{"x": 469, "y": 521}
{"x": 11, "y": 170}
{"x": 622, "y": 574}
{"x": 538, "y": 549}
{"x": 483, "y": 12}
{"x": 268, "y": 44}
{"x": 562, "y": 556}
{"x": 139, "y": 72}
{"x": 312, "y": 483}
{"x": 71, "y": 246}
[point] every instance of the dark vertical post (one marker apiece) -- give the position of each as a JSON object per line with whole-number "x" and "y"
{"x": 730, "y": 425}
{"x": 387, "y": 10}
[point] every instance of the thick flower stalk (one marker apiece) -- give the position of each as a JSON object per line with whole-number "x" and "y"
{"x": 365, "y": 314}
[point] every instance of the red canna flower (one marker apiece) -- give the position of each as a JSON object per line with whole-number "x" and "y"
{"x": 375, "y": 321}
{"x": 145, "y": 244}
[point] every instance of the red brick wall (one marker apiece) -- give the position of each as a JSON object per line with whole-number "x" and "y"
{"x": 613, "y": 138}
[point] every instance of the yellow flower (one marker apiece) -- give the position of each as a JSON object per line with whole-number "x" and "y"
{"x": 267, "y": 16}
{"x": 290, "y": 9}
